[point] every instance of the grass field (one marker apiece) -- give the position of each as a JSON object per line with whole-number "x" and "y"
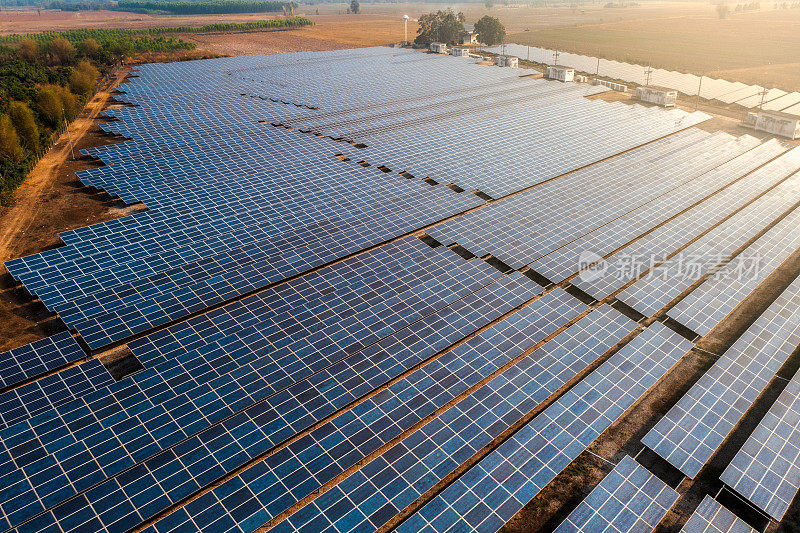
{"x": 755, "y": 47}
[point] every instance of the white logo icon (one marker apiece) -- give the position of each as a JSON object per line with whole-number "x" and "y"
{"x": 592, "y": 266}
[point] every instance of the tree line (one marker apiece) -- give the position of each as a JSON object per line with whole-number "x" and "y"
{"x": 447, "y": 26}
{"x": 179, "y": 7}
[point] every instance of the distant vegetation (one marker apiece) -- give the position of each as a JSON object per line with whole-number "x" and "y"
{"x": 151, "y": 39}
{"x": 490, "y": 30}
{"x": 178, "y": 7}
{"x": 441, "y": 26}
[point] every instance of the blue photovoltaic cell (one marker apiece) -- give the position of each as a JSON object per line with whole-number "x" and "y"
{"x": 490, "y": 493}
{"x": 766, "y": 470}
{"x": 373, "y": 495}
{"x": 629, "y": 500}
{"x": 712, "y": 517}
{"x": 693, "y": 429}
{"x": 339, "y": 444}
{"x": 38, "y": 357}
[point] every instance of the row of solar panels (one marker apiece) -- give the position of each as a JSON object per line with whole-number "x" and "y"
{"x": 224, "y": 391}
{"x": 749, "y": 96}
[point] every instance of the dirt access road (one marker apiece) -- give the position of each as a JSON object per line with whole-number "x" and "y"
{"x": 22, "y": 213}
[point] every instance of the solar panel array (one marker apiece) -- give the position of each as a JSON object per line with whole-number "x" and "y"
{"x": 694, "y": 428}
{"x": 629, "y": 498}
{"x": 766, "y": 470}
{"x": 38, "y": 357}
{"x": 296, "y": 326}
{"x": 405, "y": 471}
{"x": 712, "y": 517}
{"x": 749, "y": 96}
{"x": 649, "y": 294}
{"x": 712, "y": 301}
{"x": 496, "y": 488}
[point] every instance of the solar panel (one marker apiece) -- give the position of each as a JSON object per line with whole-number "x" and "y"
{"x": 766, "y": 470}
{"x": 630, "y": 261}
{"x": 38, "y": 357}
{"x": 407, "y": 470}
{"x": 496, "y": 488}
{"x": 712, "y": 517}
{"x": 628, "y": 499}
{"x": 42, "y": 395}
{"x": 693, "y": 429}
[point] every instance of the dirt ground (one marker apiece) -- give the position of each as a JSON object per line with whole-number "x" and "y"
{"x": 261, "y": 43}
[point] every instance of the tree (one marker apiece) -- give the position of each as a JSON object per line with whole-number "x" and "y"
{"x": 25, "y": 125}
{"x": 83, "y": 78}
{"x": 69, "y": 104}
{"x": 442, "y": 26}
{"x": 28, "y": 49}
{"x": 62, "y": 51}
{"x": 49, "y": 104}
{"x": 9, "y": 141}
{"x": 490, "y": 30}
{"x": 722, "y": 10}
{"x": 355, "y": 7}
{"x": 90, "y": 48}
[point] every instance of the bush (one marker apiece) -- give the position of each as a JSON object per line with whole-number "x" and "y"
{"x": 25, "y": 124}
{"x": 49, "y": 103}
{"x": 69, "y": 103}
{"x": 61, "y": 51}
{"x": 83, "y": 78}
{"x": 28, "y": 49}
{"x": 9, "y": 141}
{"x": 89, "y": 47}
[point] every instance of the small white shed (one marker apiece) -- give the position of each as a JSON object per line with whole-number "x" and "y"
{"x": 560, "y": 73}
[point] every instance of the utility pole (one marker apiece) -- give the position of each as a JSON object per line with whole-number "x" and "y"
{"x": 555, "y": 57}
{"x": 647, "y": 72}
{"x": 529, "y": 52}
{"x": 763, "y": 94}
{"x": 597, "y": 69}
{"x": 405, "y": 29}
{"x": 699, "y": 86}
{"x": 69, "y": 137}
